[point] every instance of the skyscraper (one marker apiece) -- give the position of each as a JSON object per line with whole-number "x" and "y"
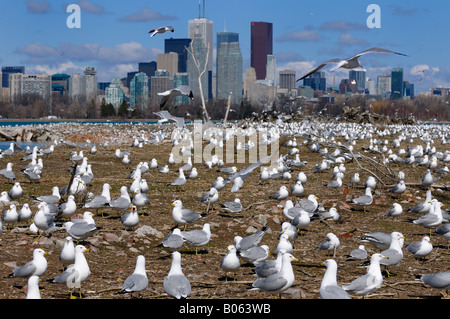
{"x": 89, "y": 83}
{"x": 114, "y": 94}
{"x": 271, "y": 70}
{"x": 287, "y": 79}
{"x": 360, "y": 77}
{"x": 229, "y": 72}
{"x": 169, "y": 62}
{"x": 7, "y": 70}
{"x": 139, "y": 91}
{"x": 204, "y": 28}
{"x": 200, "y": 52}
{"x": 149, "y": 68}
{"x": 178, "y": 46}
{"x": 261, "y": 45}
{"x": 384, "y": 85}
{"x": 181, "y": 78}
{"x": 316, "y": 81}
{"x": 396, "y": 83}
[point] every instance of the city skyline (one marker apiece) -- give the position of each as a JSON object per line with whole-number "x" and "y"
{"x": 114, "y": 37}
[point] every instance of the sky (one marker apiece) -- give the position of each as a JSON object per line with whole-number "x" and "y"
{"x": 113, "y": 35}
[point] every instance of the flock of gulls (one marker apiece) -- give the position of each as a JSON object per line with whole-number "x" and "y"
{"x": 402, "y": 150}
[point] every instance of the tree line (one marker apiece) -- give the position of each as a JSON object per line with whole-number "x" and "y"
{"x": 32, "y": 106}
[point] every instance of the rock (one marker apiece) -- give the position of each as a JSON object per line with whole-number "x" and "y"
{"x": 148, "y": 230}
{"x": 110, "y": 237}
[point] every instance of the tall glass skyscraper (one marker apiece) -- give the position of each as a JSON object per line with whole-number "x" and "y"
{"x": 396, "y": 83}
{"x": 139, "y": 91}
{"x": 316, "y": 81}
{"x": 261, "y": 46}
{"x": 178, "y": 46}
{"x": 360, "y": 77}
{"x": 229, "y": 67}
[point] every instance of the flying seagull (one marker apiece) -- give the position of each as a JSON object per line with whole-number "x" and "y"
{"x": 178, "y": 91}
{"x": 166, "y": 116}
{"x": 349, "y": 63}
{"x": 160, "y": 30}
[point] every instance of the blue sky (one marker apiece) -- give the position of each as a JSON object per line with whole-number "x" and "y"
{"x": 114, "y": 34}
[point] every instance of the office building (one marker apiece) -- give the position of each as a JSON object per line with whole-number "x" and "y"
{"x": 7, "y": 70}
{"x": 271, "y": 70}
{"x": 178, "y": 46}
{"x": 169, "y": 62}
{"x": 359, "y": 76}
{"x": 139, "y": 95}
{"x": 200, "y": 54}
{"x": 348, "y": 86}
{"x": 161, "y": 82}
{"x": 408, "y": 89}
{"x": 203, "y": 28}
{"x": 75, "y": 85}
{"x": 181, "y": 78}
{"x": 316, "y": 81}
{"x": 89, "y": 83}
{"x": 130, "y": 76}
{"x": 114, "y": 93}
{"x": 261, "y": 45}
{"x": 370, "y": 87}
{"x": 396, "y": 83}
{"x": 384, "y": 85}
{"x": 229, "y": 67}
{"x": 149, "y": 68}
{"x": 287, "y": 79}
{"x": 40, "y": 84}
{"x": 60, "y": 83}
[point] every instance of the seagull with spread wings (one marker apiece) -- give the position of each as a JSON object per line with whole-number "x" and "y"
{"x": 155, "y": 31}
{"x": 349, "y": 63}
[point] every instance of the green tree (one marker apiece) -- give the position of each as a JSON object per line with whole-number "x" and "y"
{"x": 123, "y": 109}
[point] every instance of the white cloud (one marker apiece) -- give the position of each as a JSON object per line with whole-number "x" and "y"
{"x": 145, "y": 14}
{"x": 301, "y": 35}
{"x": 65, "y": 67}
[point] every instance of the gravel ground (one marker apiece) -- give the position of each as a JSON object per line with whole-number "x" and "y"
{"x": 113, "y": 249}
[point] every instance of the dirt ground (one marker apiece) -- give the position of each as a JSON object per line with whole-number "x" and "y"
{"x": 114, "y": 249}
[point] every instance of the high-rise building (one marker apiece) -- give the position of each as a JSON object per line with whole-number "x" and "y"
{"x": 169, "y": 62}
{"x": 161, "y": 82}
{"x": 370, "y": 87}
{"x": 178, "y": 46}
{"x": 89, "y": 83}
{"x": 75, "y": 85}
{"x": 360, "y": 77}
{"x": 200, "y": 53}
{"x": 287, "y": 79}
{"x": 348, "y": 86}
{"x": 7, "y": 70}
{"x": 181, "y": 78}
{"x": 20, "y": 83}
{"x": 271, "y": 70}
{"x": 139, "y": 91}
{"x": 130, "y": 76}
{"x": 408, "y": 89}
{"x": 229, "y": 67}
{"x": 114, "y": 94}
{"x": 396, "y": 83}
{"x": 204, "y": 28}
{"x": 261, "y": 46}
{"x": 316, "y": 81}
{"x": 149, "y": 68}
{"x": 384, "y": 85}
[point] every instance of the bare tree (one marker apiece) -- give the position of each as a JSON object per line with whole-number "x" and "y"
{"x": 200, "y": 72}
